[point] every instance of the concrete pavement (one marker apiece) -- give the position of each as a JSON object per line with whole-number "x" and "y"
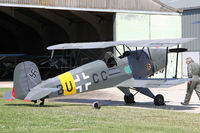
{"x": 114, "y": 97}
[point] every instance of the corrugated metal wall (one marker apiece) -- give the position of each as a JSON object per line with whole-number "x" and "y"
{"x": 145, "y": 5}
{"x": 190, "y": 29}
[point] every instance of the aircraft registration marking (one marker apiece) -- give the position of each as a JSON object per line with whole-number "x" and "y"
{"x": 68, "y": 83}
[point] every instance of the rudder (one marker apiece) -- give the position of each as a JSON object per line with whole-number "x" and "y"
{"x": 26, "y": 76}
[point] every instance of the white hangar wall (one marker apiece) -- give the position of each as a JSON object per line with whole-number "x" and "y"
{"x": 132, "y": 26}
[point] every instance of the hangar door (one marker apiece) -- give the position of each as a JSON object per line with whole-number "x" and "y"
{"x": 132, "y": 26}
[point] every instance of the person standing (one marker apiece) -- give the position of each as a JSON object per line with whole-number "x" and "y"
{"x": 193, "y": 70}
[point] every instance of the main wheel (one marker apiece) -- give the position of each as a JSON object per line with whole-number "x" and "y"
{"x": 35, "y": 101}
{"x": 159, "y": 100}
{"x": 129, "y": 99}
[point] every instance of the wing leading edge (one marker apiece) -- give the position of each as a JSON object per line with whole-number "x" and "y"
{"x": 136, "y": 43}
{"x": 152, "y": 83}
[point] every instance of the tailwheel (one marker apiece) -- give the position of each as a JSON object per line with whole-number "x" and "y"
{"x": 42, "y": 103}
{"x": 96, "y": 105}
{"x": 159, "y": 100}
{"x": 129, "y": 99}
{"x": 34, "y": 101}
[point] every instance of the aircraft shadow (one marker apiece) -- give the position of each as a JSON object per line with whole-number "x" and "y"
{"x": 90, "y": 101}
{"x": 137, "y": 104}
{"x": 37, "y": 105}
{"x": 167, "y": 106}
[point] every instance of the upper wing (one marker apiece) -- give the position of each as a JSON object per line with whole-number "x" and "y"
{"x": 137, "y": 43}
{"x": 152, "y": 83}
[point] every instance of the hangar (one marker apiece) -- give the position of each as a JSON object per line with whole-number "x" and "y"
{"x": 27, "y": 27}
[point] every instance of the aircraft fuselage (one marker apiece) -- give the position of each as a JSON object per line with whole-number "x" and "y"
{"x": 97, "y": 75}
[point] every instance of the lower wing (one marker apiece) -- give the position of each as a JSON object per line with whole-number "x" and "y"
{"x": 152, "y": 83}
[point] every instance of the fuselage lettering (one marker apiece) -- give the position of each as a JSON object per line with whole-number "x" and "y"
{"x": 103, "y": 75}
{"x": 60, "y": 92}
{"x": 95, "y": 78}
{"x": 69, "y": 89}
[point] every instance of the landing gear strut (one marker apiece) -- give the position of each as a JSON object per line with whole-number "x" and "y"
{"x": 129, "y": 99}
{"x": 159, "y": 100}
{"x": 42, "y": 103}
{"x": 35, "y": 101}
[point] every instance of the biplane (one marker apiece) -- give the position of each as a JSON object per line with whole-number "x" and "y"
{"x": 130, "y": 70}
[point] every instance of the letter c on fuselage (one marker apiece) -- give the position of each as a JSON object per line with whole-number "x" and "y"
{"x": 95, "y": 78}
{"x": 103, "y": 75}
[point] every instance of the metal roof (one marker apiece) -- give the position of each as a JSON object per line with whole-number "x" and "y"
{"x": 115, "y": 5}
{"x": 183, "y": 4}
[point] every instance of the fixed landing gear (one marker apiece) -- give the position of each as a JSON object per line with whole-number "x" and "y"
{"x": 159, "y": 100}
{"x": 35, "y": 101}
{"x": 129, "y": 99}
{"x": 42, "y": 103}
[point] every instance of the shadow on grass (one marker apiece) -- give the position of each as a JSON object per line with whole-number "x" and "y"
{"x": 44, "y": 106}
{"x": 90, "y": 101}
{"x": 137, "y": 104}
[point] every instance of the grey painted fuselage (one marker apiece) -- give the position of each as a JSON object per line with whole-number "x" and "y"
{"x": 98, "y": 75}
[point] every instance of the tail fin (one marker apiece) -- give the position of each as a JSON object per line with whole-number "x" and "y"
{"x": 26, "y": 76}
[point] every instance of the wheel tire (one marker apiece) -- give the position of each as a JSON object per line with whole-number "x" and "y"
{"x": 129, "y": 99}
{"x": 42, "y": 103}
{"x": 159, "y": 100}
{"x": 96, "y": 105}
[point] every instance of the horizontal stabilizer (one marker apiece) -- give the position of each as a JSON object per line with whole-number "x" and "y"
{"x": 39, "y": 93}
{"x": 152, "y": 83}
{"x": 9, "y": 95}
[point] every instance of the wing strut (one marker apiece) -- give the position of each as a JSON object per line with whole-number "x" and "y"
{"x": 52, "y": 54}
{"x": 128, "y": 48}
{"x": 150, "y": 58}
{"x": 176, "y": 63}
{"x": 117, "y": 51}
{"x": 136, "y": 53}
{"x": 166, "y": 63}
{"x": 141, "y": 52}
{"x": 76, "y": 61}
{"x": 124, "y": 48}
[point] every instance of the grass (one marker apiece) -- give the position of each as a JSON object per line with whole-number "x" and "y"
{"x": 20, "y": 116}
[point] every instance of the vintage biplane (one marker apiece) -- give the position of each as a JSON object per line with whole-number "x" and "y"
{"x": 131, "y": 70}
